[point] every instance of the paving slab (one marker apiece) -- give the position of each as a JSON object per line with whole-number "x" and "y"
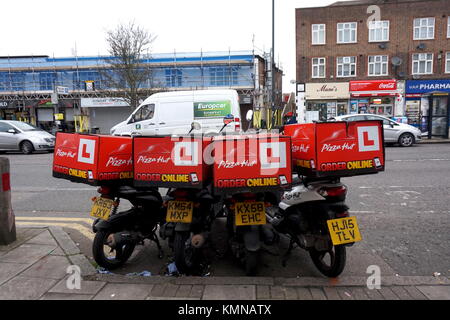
{"x": 65, "y": 296}
{"x": 22, "y": 236}
{"x": 27, "y": 253}
{"x": 49, "y": 267}
{"x": 435, "y": 292}
{"x": 9, "y": 270}
{"x": 122, "y": 291}
{"x": 86, "y": 287}
{"x": 304, "y": 294}
{"x": 262, "y": 292}
{"x": 44, "y": 237}
{"x": 229, "y": 292}
{"x": 23, "y": 288}
{"x": 81, "y": 261}
{"x": 64, "y": 241}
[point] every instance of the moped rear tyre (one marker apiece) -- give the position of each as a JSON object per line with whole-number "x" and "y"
{"x": 117, "y": 258}
{"x": 337, "y": 258}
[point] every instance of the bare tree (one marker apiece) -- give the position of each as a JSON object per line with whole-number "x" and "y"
{"x": 127, "y": 75}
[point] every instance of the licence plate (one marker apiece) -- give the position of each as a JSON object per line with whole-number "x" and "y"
{"x": 249, "y": 213}
{"x": 344, "y": 230}
{"x": 179, "y": 211}
{"x": 102, "y": 208}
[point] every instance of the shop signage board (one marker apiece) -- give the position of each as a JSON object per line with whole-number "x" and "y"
{"x": 331, "y": 90}
{"x": 373, "y": 85}
{"x": 426, "y": 86}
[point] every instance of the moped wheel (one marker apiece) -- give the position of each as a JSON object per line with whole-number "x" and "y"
{"x": 330, "y": 263}
{"x": 251, "y": 262}
{"x": 107, "y": 257}
{"x": 179, "y": 250}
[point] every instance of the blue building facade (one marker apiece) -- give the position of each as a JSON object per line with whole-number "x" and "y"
{"x": 28, "y": 82}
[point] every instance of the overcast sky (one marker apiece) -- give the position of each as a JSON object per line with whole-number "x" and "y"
{"x": 51, "y": 27}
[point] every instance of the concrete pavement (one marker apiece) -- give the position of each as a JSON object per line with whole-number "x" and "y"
{"x": 37, "y": 266}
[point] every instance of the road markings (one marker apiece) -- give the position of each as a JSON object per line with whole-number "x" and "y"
{"x": 86, "y": 220}
{"x": 63, "y": 222}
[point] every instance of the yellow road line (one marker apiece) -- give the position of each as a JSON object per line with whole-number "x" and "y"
{"x": 76, "y": 226}
{"x": 87, "y": 220}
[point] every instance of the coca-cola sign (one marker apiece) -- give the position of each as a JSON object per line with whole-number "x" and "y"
{"x": 373, "y": 85}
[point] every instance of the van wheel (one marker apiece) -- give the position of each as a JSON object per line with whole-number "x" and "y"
{"x": 406, "y": 140}
{"x": 26, "y": 147}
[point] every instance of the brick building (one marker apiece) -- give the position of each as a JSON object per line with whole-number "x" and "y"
{"x": 389, "y": 57}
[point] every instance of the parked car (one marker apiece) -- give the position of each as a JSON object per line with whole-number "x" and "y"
{"x": 403, "y": 134}
{"x": 170, "y": 112}
{"x": 17, "y": 135}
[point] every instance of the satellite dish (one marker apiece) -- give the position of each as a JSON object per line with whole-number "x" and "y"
{"x": 396, "y": 61}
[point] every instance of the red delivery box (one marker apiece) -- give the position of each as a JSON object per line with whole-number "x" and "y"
{"x": 251, "y": 163}
{"x": 93, "y": 159}
{"x": 337, "y": 148}
{"x": 171, "y": 161}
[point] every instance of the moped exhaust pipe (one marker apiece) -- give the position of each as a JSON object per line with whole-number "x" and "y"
{"x": 120, "y": 239}
{"x": 198, "y": 240}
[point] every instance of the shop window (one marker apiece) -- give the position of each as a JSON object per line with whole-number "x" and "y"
{"x": 378, "y": 31}
{"x": 346, "y": 32}
{"x": 318, "y": 67}
{"x": 318, "y": 33}
{"x": 423, "y": 28}
{"x": 378, "y": 65}
{"x": 346, "y": 66}
{"x": 422, "y": 63}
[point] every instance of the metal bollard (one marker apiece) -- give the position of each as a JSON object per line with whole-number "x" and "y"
{"x": 7, "y": 220}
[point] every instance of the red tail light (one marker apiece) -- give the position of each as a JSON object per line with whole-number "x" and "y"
{"x": 104, "y": 190}
{"x": 333, "y": 191}
{"x": 179, "y": 194}
{"x": 342, "y": 214}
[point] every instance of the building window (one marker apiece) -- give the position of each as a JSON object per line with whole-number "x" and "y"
{"x": 223, "y": 76}
{"x": 423, "y": 28}
{"x": 318, "y": 34}
{"x": 47, "y": 80}
{"x": 422, "y": 63}
{"x": 173, "y": 77}
{"x": 447, "y": 62}
{"x": 378, "y": 65}
{"x": 448, "y": 27}
{"x": 318, "y": 67}
{"x": 378, "y": 31}
{"x": 346, "y": 32}
{"x": 346, "y": 66}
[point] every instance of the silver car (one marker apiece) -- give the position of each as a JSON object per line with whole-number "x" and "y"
{"x": 17, "y": 135}
{"x": 394, "y": 132}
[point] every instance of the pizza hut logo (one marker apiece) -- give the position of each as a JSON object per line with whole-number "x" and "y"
{"x": 86, "y": 151}
{"x": 368, "y": 138}
{"x": 185, "y": 153}
{"x": 272, "y": 155}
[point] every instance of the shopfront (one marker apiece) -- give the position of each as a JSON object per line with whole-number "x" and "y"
{"x": 328, "y": 99}
{"x": 429, "y": 102}
{"x": 374, "y": 96}
{"x": 7, "y": 110}
{"x": 102, "y": 114}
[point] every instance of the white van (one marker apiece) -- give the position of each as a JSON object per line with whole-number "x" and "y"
{"x": 172, "y": 112}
